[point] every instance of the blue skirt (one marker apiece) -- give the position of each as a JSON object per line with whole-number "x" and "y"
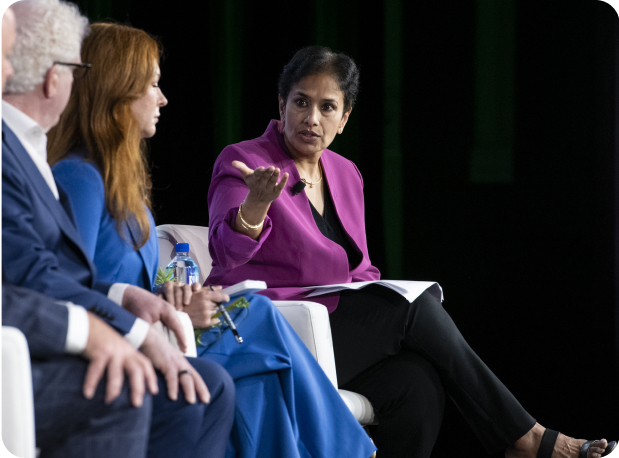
{"x": 285, "y": 404}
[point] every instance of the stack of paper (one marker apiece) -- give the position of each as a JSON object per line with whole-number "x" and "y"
{"x": 411, "y": 290}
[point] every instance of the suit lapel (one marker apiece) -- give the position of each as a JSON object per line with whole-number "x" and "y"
{"x": 66, "y": 203}
{"x": 13, "y": 146}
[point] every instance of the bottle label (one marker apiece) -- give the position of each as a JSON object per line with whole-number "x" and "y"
{"x": 192, "y": 275}
{"x": 187, "y": 275}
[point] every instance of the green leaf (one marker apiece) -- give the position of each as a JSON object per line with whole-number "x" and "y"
{"x": 164, "y": 276}
{"x": 240, "y": 302}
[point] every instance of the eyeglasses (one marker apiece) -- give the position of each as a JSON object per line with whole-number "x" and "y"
{"x": 79, "y": 69}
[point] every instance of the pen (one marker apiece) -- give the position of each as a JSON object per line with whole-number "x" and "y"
{"x": 227, "y": 319}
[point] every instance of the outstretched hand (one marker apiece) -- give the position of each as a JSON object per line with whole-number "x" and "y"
{"x": 262, "y": 183}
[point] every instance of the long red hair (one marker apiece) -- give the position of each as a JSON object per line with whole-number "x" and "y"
{"x": 99, "y": 116}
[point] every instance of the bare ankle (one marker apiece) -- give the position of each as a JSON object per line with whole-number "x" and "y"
{"x": 527, "y": 445}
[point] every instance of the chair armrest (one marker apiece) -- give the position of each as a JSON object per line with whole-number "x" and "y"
{"x": 359, "y": 406}
{"x": 310, "y": 321}
{"x": 17, "y": 401}
{"x": 188, "y": 330}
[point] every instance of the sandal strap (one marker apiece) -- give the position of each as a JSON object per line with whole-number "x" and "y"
{"x": 584, "y": 450}
{"x": 547, "y": 444}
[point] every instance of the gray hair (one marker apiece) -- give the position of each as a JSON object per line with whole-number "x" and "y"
{"x": 47, "y": 31}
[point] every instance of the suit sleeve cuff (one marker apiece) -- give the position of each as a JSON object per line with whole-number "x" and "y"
{"x": 77, "y": 329}
{"x": 138, "y": 332}
{"x": 116, "y": 292}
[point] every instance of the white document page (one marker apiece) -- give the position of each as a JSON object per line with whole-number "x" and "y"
{"x": 411, "y": 290}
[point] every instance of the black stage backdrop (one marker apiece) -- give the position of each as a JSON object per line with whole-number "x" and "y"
{"x": 486, "y": 132}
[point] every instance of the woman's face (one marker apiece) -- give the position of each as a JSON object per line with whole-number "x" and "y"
{"x": 146, "y": 108}
{"x": 312, "y": 115}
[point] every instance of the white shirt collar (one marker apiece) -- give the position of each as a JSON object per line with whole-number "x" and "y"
{"x": 33, "y": 138}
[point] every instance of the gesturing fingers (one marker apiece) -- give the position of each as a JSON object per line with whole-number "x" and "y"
{"x": 281, "y": 185}
{"x": 245, "y": 171}
{"x": 263, "y": 181}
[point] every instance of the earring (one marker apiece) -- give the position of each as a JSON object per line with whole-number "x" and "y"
{"x": 340, "y": 130}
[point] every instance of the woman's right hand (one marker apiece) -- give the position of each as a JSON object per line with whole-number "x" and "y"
{"x": 263, "y": 189}
{"x": 262, "y": 183}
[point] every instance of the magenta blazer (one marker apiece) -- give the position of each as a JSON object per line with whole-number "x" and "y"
{"x": 291, "y": 252}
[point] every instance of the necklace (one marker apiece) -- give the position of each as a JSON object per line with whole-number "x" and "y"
{"x": 312, "y": 183}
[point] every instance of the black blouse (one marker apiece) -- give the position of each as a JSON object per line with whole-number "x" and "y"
{"x": 331, "y": 227}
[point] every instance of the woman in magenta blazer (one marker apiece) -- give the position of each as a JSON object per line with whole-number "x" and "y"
{"x": 403, "y": 357}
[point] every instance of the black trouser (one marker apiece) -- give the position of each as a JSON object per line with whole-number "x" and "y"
{"x": 402, "y": 357}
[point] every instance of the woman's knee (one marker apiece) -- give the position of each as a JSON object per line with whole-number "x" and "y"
{"x": 404, "y": 385}
{"x": 420, "y": 386}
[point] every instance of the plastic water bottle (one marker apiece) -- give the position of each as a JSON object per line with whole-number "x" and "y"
{"x": 184, "y": 268}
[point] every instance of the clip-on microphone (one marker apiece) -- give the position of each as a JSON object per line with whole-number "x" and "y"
{"x": 297, "y": 188}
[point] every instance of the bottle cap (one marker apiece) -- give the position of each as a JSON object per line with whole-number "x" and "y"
{"x": 182, "y": 248}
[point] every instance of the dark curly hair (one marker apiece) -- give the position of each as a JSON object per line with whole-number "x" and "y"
{"x": 312, "y": 60}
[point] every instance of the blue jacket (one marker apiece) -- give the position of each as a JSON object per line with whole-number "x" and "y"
{"x": 41, "y": 248}
{"x": 114, "y": 256}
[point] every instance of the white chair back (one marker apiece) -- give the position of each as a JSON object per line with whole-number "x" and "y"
{"x": 310, "y": 320}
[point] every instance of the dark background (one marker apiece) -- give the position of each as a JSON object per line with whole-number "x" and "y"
{"x": 486, "y": 134}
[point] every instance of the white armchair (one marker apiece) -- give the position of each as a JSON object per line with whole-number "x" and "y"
{"x": 17, "y": 403}
{"x": 310, "y": 320}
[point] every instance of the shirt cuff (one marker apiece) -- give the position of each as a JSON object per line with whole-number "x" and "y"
{"x": 138, "y": 332}
{"x": 116, "y": 292}
{"x": 77, "y": 329}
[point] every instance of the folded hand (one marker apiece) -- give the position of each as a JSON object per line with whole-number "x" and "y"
{"x": 151, "y": 309}
{"x": 203, "y": 305}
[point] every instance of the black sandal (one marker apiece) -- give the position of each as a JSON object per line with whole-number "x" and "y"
{"x": 549, "y": 438}
{"x": 585, "y": 449}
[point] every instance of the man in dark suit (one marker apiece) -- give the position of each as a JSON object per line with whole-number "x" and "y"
{"x": 96, "y": 409}
{"x": 42, "y": 250}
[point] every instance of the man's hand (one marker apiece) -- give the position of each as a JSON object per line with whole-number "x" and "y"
{"x": 107, "y": 350}
{"x": 175, "y": 368}
{"x": 152, "y": 309}
{"x": 203, "y": 305}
